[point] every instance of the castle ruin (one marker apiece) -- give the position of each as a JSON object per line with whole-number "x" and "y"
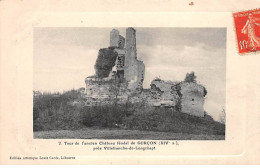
{"x": 187, "y": 96}
{"x": 118, "y": 73}
{"x": 119, "y": 61}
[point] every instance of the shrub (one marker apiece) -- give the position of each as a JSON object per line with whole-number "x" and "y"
{"x": 52, "y": 111}
{"x": 190, "y": 77}
{"x": 103, "y": 116}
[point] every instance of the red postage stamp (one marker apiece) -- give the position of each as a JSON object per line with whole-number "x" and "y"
{"x": 247, "y": 25}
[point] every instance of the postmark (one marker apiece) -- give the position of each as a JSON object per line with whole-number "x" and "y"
{"x": 247, "y": 26}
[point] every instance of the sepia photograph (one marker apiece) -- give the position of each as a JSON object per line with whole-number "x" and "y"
{"x": 129, "y": 83}
{"x": 146, "y": 83}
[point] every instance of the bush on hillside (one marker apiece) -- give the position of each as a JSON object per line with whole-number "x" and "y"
{"x": 52, "y": 111}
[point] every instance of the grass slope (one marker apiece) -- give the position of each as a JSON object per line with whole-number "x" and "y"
{"x": 93, "y": 133}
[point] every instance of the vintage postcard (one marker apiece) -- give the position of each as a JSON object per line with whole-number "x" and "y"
{"x": 132, "y": 86}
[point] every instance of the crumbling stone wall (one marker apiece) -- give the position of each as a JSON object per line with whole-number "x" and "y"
{"x": 140, "y": 74}
{"x": 97, "y": 89}
{"x": 105, "y": 91}
{"x": 192, "y": 98}
{"x": 121, "y": 42}
{"x": 163, "y": 93}
{"x": 187, "y": 97}
{"x": 120, "y": 62}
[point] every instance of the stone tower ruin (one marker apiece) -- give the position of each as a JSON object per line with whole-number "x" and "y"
{"x": 134, "y": 69}
{"x": 119, "y": 61}
{"x": 116, "y": 40}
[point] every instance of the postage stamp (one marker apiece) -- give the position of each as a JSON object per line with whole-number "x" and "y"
{"x": 247, "y": 25}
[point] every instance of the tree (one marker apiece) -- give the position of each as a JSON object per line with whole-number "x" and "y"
{"x": 190, "y": 77}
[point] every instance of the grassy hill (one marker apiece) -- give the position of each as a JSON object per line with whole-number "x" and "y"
{"x": 60, "y": 112}
{"x": 150, "y": 119}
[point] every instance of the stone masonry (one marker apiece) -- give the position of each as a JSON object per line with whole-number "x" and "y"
{"x": 119, "y": 74}
{"x": 116, "y": 40}
{"x": 119, "y": 61}
{"x": 192, "y": 98}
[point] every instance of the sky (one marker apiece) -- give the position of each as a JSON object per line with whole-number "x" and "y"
{"x": 64, "y": 57}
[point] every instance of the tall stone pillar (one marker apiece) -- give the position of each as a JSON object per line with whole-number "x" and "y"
{"x": 131, "y": 56}
{"x": 114, "y": 38}
{"x": 130, "y": 45}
